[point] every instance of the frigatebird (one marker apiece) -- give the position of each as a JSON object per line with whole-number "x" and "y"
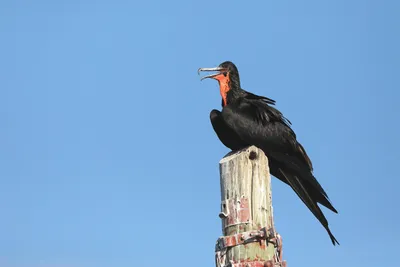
{"x": 248, "y": 119}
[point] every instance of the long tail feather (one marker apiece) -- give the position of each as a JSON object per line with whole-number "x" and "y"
{"x": 303, "y": 194}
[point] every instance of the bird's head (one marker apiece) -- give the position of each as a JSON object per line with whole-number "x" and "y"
{"x": 227, "y": 76}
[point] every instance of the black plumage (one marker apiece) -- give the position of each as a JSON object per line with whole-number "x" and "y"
{"x": 248, "y": 119}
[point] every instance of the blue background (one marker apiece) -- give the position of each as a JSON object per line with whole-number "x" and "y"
{"x": 107, "y": 154}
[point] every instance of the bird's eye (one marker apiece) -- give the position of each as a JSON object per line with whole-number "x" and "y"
{"x": 225, "y": 73}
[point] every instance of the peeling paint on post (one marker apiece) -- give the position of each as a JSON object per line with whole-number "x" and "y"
{"x": 246, "y": 212}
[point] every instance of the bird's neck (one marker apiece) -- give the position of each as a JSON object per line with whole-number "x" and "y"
{"x": 230, "y": 96}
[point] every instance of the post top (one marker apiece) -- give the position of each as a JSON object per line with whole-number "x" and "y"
{"x": 247, "y": 150}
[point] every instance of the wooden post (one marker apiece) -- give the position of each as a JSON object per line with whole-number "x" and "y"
{"x": 246, "y": 211}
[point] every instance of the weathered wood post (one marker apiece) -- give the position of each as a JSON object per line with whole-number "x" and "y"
{"x": 249, "y": 237}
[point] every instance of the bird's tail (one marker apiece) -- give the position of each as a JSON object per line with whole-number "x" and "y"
{"x": 302, "y": 192}
{"x": 308, "y": 193}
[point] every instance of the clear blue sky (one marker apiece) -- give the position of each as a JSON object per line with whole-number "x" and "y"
{"x": 107, "y": 154}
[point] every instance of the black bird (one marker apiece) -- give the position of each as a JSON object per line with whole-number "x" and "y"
{"x": 247, "y": 119}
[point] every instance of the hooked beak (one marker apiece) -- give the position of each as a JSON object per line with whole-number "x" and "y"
{"x": 219, "y": 69}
